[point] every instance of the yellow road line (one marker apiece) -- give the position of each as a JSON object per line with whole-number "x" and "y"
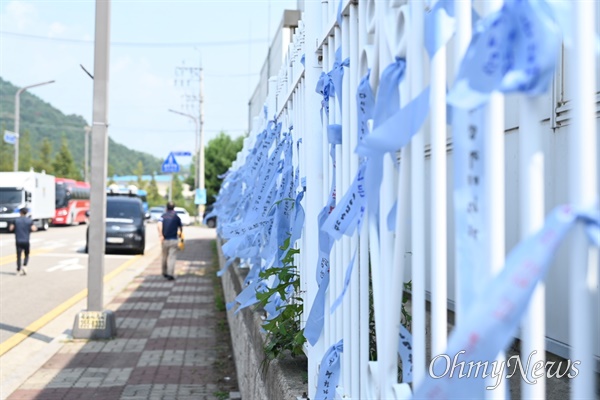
{"x": 13, "y": 257}
{"x": 41, "y": 322}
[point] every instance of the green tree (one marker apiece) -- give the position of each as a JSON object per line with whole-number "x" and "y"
{"x": 63, "y": 164}
{"x": 25, "y": 163}
{"x": 178, "y": 191}
{"x": 190, "y": 180}
{"x": 44, "y": 161}
{"x": 218, "y": 157}
{"x": 110, "y": 170}
{"x": 154, "y": 198}
{"x": 7, "y": 153}
{"x": 139, "y": 171}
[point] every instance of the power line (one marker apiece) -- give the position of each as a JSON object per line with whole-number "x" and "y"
{"x": 122, "y": 128}
{"x": 138, "y": 44}
{"x": 118, "y": 127}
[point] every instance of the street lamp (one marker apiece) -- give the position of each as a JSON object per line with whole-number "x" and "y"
{"x": 198, "y": 163}
{"x": 17, "y": 118}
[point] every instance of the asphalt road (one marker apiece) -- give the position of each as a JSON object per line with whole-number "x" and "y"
{"x": 57, "y": 271}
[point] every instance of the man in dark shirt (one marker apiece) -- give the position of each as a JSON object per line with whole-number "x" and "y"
{"x": 169, "y": 227}
{"x": 22, "y": 227}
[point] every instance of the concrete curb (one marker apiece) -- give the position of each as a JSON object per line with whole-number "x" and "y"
{"x": 283, "y": 379}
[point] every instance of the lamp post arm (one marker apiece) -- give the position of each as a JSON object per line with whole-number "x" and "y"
{"x": 18, "y": 118}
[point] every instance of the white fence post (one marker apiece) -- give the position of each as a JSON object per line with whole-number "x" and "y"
{"x": 583, "y": 192}
{"x": 415, "y": 77}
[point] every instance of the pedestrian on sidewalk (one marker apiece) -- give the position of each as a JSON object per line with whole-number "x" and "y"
{"x": 169, "y": 227}
{"x": 22, "y": 226}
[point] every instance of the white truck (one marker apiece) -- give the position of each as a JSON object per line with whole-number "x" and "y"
{"x": 33, "y": 190}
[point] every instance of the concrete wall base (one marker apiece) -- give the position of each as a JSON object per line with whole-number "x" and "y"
{"x": 283, "y": 379}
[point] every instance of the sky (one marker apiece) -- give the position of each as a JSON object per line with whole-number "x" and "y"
{"x": 48, "y": 40}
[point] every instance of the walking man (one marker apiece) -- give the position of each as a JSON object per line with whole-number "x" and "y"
{"x": 22, "y": 226}
{"x": 169, "y": 226}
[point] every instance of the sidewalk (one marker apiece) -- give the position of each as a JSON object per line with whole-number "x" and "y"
{"x": 172, "y": 342}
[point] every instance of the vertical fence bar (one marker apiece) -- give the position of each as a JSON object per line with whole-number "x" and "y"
{"x": 583, "y": 191}
{"x": 374, "y": 388}
{"x": 272, "y": 98}
{"x": 363, "y": 251}
{"x": 531, "y": 192}
{"x": 415, "y": 76}
{"x": 438, "y": 223}
{"x": 462, "y": 38}
{"x": 326, "y": 173}
{"x": 324, "y": 18}
{"x": 494, "y": 186}
{"x": 355, "y": 294}
{"x": 313, "y": 145}
{"x": 401, "y": 244}
{"x": 336, "y": 254}
{"x": 387, "y": 331}
{"x": 346, "y": 170}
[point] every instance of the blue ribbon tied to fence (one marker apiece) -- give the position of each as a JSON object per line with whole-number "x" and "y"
{"x": 439, "y": 26}
{"x": 513, "y": 49}
{"x": 329, "y": 372}
{"x": 349, "y": 212}
{"x": 337, "y": 75}
{"x": 316, "y": 316}
{"x": 405, "y": 352}
{"x": 386, "y": 104}
{"x": 492, "y": 319}
{"x": 365, "y": 104}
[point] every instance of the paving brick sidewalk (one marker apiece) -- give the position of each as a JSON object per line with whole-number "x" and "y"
{"x": 170, "y": 342}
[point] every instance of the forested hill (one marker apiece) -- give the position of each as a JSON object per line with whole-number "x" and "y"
{"x": 40, "y": 120}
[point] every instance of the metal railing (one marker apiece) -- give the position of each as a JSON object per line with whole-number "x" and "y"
{"x": 458, "y": 193}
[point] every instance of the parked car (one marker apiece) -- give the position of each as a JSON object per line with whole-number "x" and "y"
{"x": 125, "y": 227}
{"x": 156, "y": 213}
{"x": 183, "y": 215}
{"x": 212, "y": 221}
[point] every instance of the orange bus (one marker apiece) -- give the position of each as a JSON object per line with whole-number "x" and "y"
{"x": 72, "y": 201}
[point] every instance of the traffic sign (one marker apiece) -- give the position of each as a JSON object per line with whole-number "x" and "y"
{"x": 200, "y": 196}
{"x": 170, "y": 165}
{"x": 10, "y": 137}
{"x": 182, "y": 153}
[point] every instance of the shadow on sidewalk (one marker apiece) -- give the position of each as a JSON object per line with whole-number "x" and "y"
{"x": 172, "y": 341}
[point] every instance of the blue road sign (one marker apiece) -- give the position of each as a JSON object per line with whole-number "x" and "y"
{"x": 182, "y": 153}
{"x": 200, "y": 196}
{"x": 170, "y": 165}
{"x": 10, "y": 137}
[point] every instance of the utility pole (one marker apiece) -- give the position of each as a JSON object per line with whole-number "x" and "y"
{"x": 201, "y": 140}
{"x": 183, "y": 77}
{"x": 18, "y": 118}
{"x": 96, "y": 323}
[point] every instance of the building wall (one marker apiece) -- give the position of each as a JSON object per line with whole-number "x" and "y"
{"x": 163, "y": 183}
{"x": 273, "y": 62}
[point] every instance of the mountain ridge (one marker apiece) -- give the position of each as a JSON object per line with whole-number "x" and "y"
{"x": 42, "y": 120}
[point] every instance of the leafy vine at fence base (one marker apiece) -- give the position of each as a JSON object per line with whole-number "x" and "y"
{"x": 284, "y": 335}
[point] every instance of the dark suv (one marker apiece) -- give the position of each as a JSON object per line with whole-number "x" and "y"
{"x": 125, "y": 227}
{"x": 212, "y": 221}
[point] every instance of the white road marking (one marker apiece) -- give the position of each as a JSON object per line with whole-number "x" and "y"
{"x": 70, "y": 264}
{"x": 83, "y": 255}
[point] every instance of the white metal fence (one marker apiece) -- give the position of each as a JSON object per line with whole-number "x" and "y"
{"x": 429, "y": 194}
